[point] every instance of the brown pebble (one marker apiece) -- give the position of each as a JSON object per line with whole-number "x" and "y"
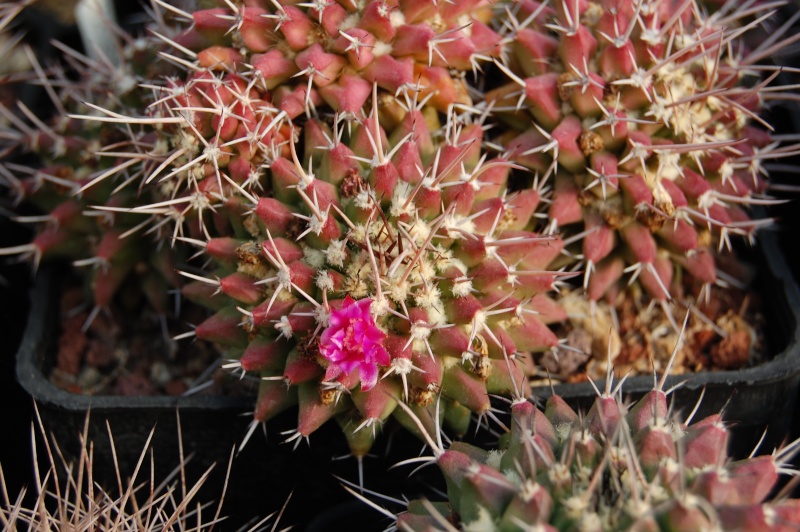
{"x": 630, "y": 352}
{"x": 175, "y": 387}
{"x": 99, "y": 354}
{"x": 702, "y": 339}
{"x": 134, "y": 384}
{"x": 732, "y": 352}
{"x": 567, "y": 363}
{"x": 71, "y": 345}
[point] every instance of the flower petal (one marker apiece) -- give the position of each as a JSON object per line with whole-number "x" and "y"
{"x": 369, "y": 376}
{"x": 381, "y": 355}
{"x": 332, "y": 372}
{"x": 352, "y": 341}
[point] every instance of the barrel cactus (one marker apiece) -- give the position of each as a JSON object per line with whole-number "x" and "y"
{"x": 642, "y": 118}
{"x": 618, "y": 467}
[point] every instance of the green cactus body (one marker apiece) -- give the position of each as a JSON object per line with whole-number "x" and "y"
{"x": 332, "y": 238}
{"x": 630, "y": 468}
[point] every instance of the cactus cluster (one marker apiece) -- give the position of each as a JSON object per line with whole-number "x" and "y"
{"x": 642, "y": 113}
{"x": 618, "y": 467}
{"x": 643, "y": 117}
{"x": 354, "y": 179}
{"x": 388, "y": 237}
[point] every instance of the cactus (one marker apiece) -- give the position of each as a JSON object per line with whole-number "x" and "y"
{"x": 361, "y": 248}
{"x": 617, "y": 467}
{"x": 80, "y": 180}
{"x": 332, "y": 52}
{"x": 643, "y": 119}
{"x": 328, "y": 161}
{"x": 381, "y": 270}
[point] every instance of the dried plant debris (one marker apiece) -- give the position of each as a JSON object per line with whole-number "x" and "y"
{"x": 726, "y": 333}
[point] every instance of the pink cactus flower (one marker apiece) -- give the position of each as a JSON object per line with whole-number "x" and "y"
{"x": 353, "y": 341}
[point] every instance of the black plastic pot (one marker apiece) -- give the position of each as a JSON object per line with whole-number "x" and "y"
{"x": 263, "y": 475}
{"x": 754, "y": 399}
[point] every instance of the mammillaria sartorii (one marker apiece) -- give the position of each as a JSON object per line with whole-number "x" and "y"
{"x": 360, "y": 241}
{"x": 643, "y": 118}
{"x": 392, "y": 267}
{"x": 343, "y": 198}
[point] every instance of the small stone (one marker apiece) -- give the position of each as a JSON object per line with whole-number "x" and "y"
{"x": 702, "y": 339}
{"x": 99, "y": 354}
{"x": 71, "y": 345}
{"x": 65, "y": 381}
{"x": 160, "y": 374}
{"x": 89, "y": 378}
{"x": 175, "y": 387}
{"x": 565, "y": 364}
{"x": 732, "y": 352}
{"x": 134, "y": 384}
